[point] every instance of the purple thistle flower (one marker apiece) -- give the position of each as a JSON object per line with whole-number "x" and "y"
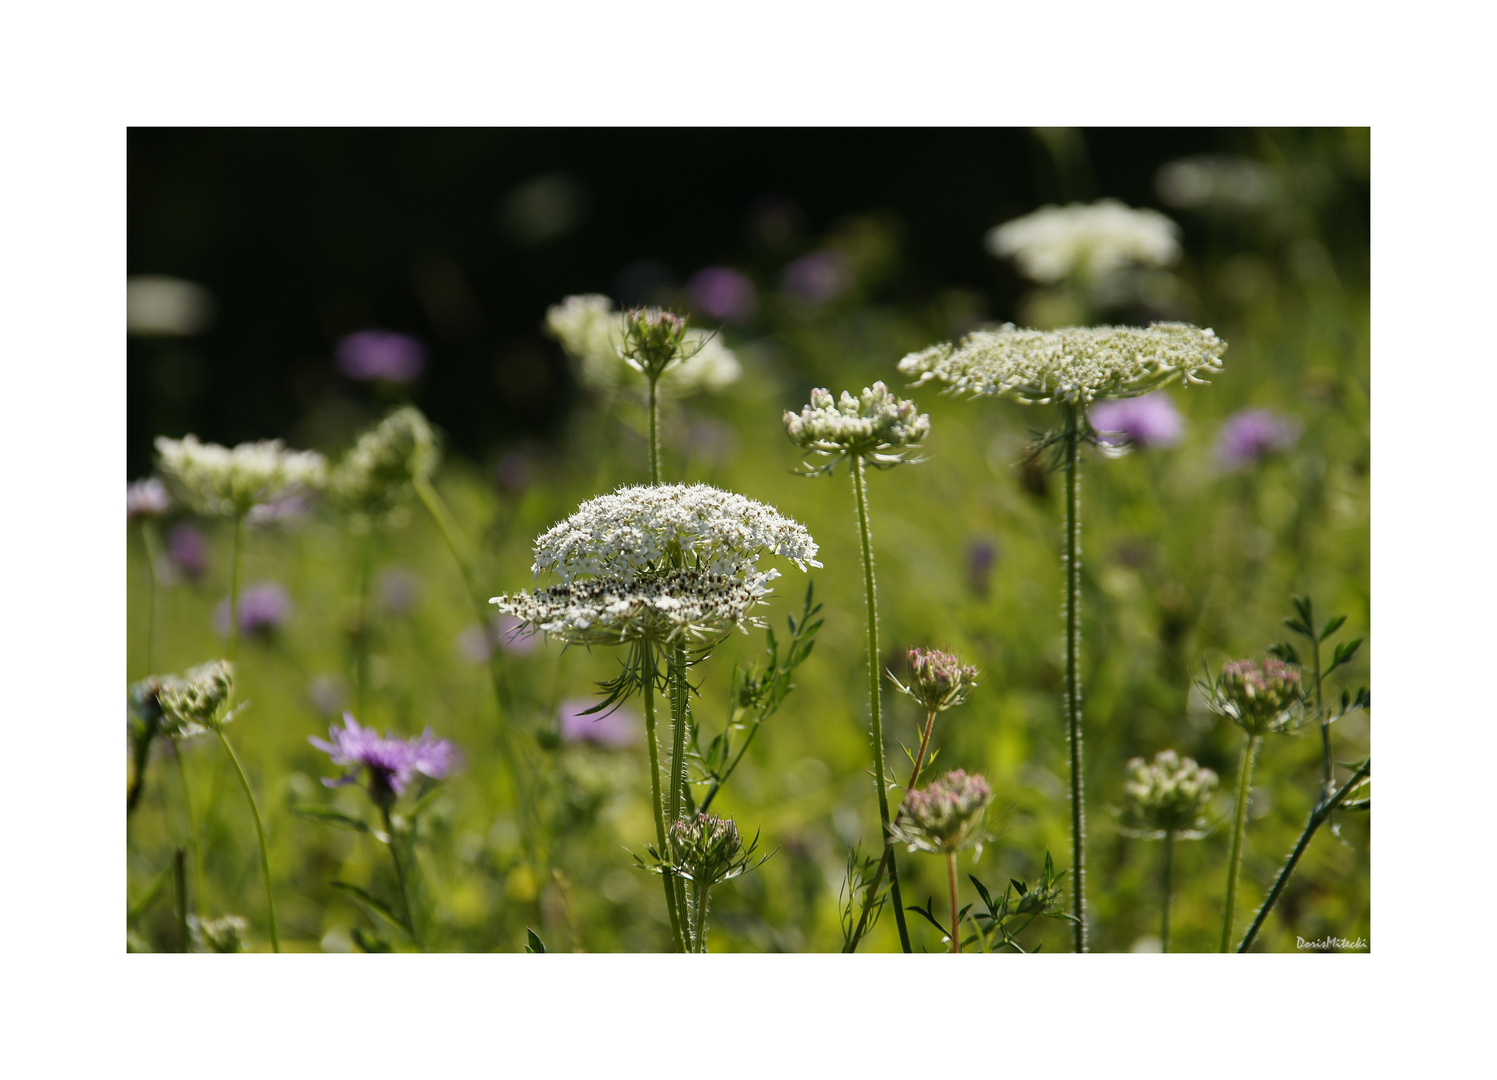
{"x": 264, "y": 608}
{"x": 187, "y": 548}
{"x": 146, "y": 498}
{"x": 392, "y": 762}
{"x": 617, "y": 728}
{"x": 817, "y": 277}
{"x": 382, "y": 355}
{"x": 1150, "y": 420}
{"x": 1253, "y": 434}
{"x": 722, "y": 294}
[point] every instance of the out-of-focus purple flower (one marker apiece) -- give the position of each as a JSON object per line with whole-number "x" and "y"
{"x": 399, "y": 590}
{"x": 618, "y": 728}
{"x": 1145, "y": 421}
{"x": 264, "y": 608}
{"x": 381, "y": 354}
{"x": 187, "y": 548}
{"x": 981, "y": 554}
{"x": 327, "y": 695}
{"x": 392, "y": 762}
{"x": 287, "y": 510}
{"x": 722, "y": 294}
{"x": 512, "y": 474}
{"x": 146, "y": 498}
{"x": 1251, "y": 435}
{"x": 817, "y": 277}
{"x": 476, "y": 644}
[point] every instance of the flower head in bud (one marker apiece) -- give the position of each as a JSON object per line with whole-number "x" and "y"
{"x": 597, "y": 337}
{"x": 707, "y": 849}
{"x": 374, "y": 478}
{"x": 875, "y": 426}
{"x": 391, "y": 762}
{"x": 1262, "y": 697}
{"x": 192, "y": 705}
{"x": 229, "y": 934}
{"x": 1077, "y": 365}
{"x": 218, "y": 481}
{"x": 1167, "y": 796}
{"x": 938, "y": 680}
{"x": 945, "y": 816}
{"x": 147, "y": 498}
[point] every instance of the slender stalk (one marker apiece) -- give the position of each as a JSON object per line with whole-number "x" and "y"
{"x": 677, "y": 939}
{"x": 956, "y": 930}
{"x": 153, "y": 554}
{"x": 179, "y": 871}
{"x": 1327, "y": 780}
{"x": 361, "y": 643}
{"x": 1234, "y": 860}
{"x": 654, "y": 435}
{"x": 192, "y": 828}
{"x": 138, "y": 785}
{"x": 1073, "y": 675}
{"x": 860, "y": 493}
{"x": 235, "y": 555}
{"x": 883, "y": 863}
{"x": 1317, "y": 818}
{"x": 275, "y": 937}
{"x": 393, "y": 843}
{"x": 679, "y": 721}
{"x": 700, "y": 892}
{"x": 1164, "y": 919}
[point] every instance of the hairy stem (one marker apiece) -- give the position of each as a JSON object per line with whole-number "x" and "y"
{"x": 1234, "y": 860}
{"x": 1317, "y": 818}
{"x": 275, "y": 937}
{"x": 1073, "y": 674}
{"x": 860, "y": 493}
{"x": 1164, "y": 919}
{"x": 700, "y": 890}
{"x": 393, "y": 843}
{"x": 677, "y": 940}
{"x": 956, "y": 930}
{"x": 679, "y": 721}
{"x": 1327, "y": 779}
{"x": 654, "y": 433}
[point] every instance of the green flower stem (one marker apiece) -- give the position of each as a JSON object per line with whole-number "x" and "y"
{"x": 883, "y": 863}
{"x": 1234, "y": 860}
{"x": 701, "y": 916}
{"x": 448, "y": 527}
{"x": 179, "y": 871}
{"x": 956, "y": 930}
{"x": 235, "y": 556}
{"x": 1317, "y": 818}
{"x": 361, "y": 643}
{"x": 654, "y": 434}
{"x": 680, "y": 719}
{"x": 677, "y": 940}
{"x": 1327, "y": 781}
{"x": 192, "y": 828}
{"x": 152, "y": 541}
{"x": 1073, "y": 673}
{"x": 275, "y": 937}
{"x": 393, "y": 843}
{"x": 138, "y": 785}
{"x": 1164, "y": 919}
{"x": 860, "y": 493}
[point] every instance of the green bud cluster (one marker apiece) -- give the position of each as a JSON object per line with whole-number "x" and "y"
{"x": 705, "y": 848}
{"x": 1168, "y": 795}
{"x": 654, "y": 339}
{"x": 374, "y": 478}
{"x": 1260, "y": 696}
{"x": 938, "y": 680}
{"x": 945, "y": 816}
{"x": 229, "y": 934}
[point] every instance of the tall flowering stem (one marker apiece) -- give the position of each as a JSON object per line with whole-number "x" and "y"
{"x": 1166, "y": 889}
{"x": 393, "y": 843}
{"x": 657, "y": 804}
{"x": 956, "y": 919}
{"x": 249, "y": 795}
{"x": 1072, "y": 558}
{"x": 1239, "y": 824}
{"x": 1167, "y": 799}
{"x": 235, "y": 555}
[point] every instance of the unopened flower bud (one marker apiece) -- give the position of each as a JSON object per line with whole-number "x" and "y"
{"x": 654, "y": 339}
{"x": 1168, "y": 795}
{"x": 1260, "y": 696}
{"x": 938, "y": 680}
{"x": 191, "y": 705}
{"x": 944, "y": 817}
{"x": 705, "y": 847}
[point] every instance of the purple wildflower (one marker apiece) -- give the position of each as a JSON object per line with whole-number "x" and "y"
{"x": 392, "y": 762}
{"x": 617, "y": 728}
{"x": 399, "y": 590}
{"x": 817, "y": 277}
{"x": 146, "y": 498}
{"x": 264, "y": 608}
{"x": 516, "y": 636}
{"x": 1251, "y": 435}
{"x": 512, "y": 474}
{"x": 187, "y": 548}
{"x": 286, "y": 509}
{"x": 327, "y": 695}
{"x": 382, "y": 355}
{"x": 981, "y": 554}
{"x": 722, "y": 294}
{"x": 1150, "y": 420}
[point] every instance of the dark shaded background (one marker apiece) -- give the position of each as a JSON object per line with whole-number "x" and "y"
{"x": 303, "y": 236}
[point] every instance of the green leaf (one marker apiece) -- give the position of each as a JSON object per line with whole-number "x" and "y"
{"x": 1344, "y": 652}
{"x": 1332, "y": 626}
{"x": 536, "y": 945}
{"x": 370, "y": 943}
{"x": 424, "y": 803}
{"x": 326, "y": 815}
{"x": 1019, "y": 886}
{"x": 374, "y": 903}
{"x": 982, "y": 891}
{"x": 148, "y": 897}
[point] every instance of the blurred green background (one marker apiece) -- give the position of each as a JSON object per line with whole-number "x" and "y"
{"x": 295, "y": 239}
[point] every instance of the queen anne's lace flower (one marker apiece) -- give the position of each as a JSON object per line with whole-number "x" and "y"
{"x": 945, "y": 816}
{"x": 226, "y": 482}
{"x": 592, "y": 332}
{"x": 636, "y": 529}
{"x": 1262, "y": 697}
{"x": 375, "y": 475}
{"x": 659, "y": 606}
{"x": 1167, "y": 795}
{"x": 875, "y": 425}
{"x": 191, "y": 705}
{"x": 938, "y": 680}
{"x": 1094, "y": 240}
{"x": 1076, "y": 365}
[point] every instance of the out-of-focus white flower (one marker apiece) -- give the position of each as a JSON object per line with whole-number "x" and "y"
{"x": 1217, "y": 182}
{"x": 147, "y": 498}
{"x": 1089, "y": 240}
{"x": 1076, "y": 364}
{"x": 376, "y": 474}
{"x": 161, "y": 306}
{"x": 591, "y": 331}
{"x": 217, "y": 480}
{"x": 875, "y": 425}
{"x": 636, "y": 529}
{"x": 1167, "y": 796}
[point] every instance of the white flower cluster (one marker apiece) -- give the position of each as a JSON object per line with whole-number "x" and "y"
{"x": 191, "y": 704}
{"x": 217, "y": 480}
{"x": 875, "y": 425}
{"x": 591, "y": 330}
{"x": 636, "y": 529}
{"x": 1093, "y": 240}
{"x": 661, "y": 606}
{"x": 1075, "y": 365}
{"x": 375, "y": 475}
{"x": 1168, "y": 795}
